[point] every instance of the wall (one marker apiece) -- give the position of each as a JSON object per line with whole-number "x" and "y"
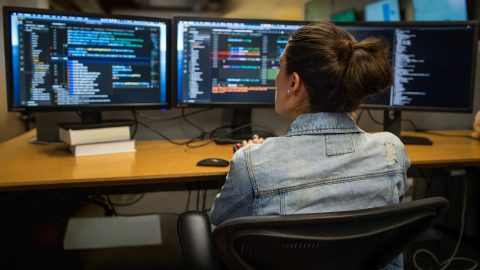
{"x": 10, "y": 124}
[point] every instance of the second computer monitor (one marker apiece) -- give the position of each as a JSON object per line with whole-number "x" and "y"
{"x": 434, "y": 64}
{"x": 228, "y": 62}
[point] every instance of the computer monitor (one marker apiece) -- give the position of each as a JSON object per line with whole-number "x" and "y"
{"x": 441, "y": 10}
{"x": 228, "y": 62}
{"x": 434, "y": 66}
{"x": 59, "y": 61}
{"x": 382, "y": 11}
{"x": 349, "y": 15}
{"x": 232, "y": 63}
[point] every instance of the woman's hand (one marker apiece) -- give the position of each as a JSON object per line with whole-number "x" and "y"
{"x": 254, "y": 140}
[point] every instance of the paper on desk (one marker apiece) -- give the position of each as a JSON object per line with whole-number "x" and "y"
{"x": 106, "y": 232}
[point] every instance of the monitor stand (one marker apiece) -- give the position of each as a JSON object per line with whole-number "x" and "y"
{"x": 93, "y": 119}
{"x": 241, "y": 126}
{"x": 242, "y": 121}
{"x": 392, "y": 122}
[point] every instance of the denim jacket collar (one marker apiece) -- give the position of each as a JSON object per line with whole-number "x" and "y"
{"x": 322, "y": 123}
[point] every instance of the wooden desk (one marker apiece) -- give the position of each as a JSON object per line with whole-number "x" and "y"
{"x": 30, "y": 166}
{"x": 26, "y": 166}
{"x": 445, "y": 150}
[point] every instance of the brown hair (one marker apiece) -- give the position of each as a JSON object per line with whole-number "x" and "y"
{"x": 338, "y": 71}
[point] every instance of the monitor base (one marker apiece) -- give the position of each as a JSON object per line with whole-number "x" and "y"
{"x": 415, "y": 140}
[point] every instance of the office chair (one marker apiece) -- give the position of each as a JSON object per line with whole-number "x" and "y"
{"x": 361, "y": 239}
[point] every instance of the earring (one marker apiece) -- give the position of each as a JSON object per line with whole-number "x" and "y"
{"x": 288, "y": 92}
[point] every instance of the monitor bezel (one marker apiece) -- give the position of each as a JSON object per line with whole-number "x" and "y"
{"x": 7, "y": 10}
{"x": 475, "y": 30}
{"x": 176, "y": 20}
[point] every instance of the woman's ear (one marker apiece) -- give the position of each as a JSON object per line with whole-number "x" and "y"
{"x": 295, "y": 82}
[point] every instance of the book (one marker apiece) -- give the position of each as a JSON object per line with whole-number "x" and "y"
{"x": 93, "y": 149}
{"x": 93, "y": 135}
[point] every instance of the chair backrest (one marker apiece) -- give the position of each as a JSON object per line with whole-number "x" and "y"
{"x": 361, "y": 239}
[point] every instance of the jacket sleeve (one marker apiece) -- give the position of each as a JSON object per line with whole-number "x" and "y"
{"x": 236, "y": 196}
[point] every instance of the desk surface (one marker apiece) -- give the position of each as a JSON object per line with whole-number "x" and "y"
{"x": 29, "y": 166}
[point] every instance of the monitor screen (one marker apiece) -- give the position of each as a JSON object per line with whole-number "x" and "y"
{"x": 349, "y": 15}
{"x": 442, "y": 10}
{"x": 382, "y": 11}
{"x": 76, "y": 61}
{"x": 222, "y": 62}
{"x": 434, "y": 64}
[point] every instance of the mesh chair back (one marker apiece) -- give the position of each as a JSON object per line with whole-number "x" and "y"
{"x": 362, "y": 239}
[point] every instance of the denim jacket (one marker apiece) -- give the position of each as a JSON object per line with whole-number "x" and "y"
{"x": 325, "y": 163}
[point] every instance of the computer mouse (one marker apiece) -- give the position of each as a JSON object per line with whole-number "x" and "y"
{"x": 218, "y": 162}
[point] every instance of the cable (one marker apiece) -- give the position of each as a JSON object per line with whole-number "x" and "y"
{"x": 188, "y": 200}
{"x": 164, "y": 136}
{"x": 411, "y": 123}
{"x": 373, "y": 118}
{"x": 204, "y": 202}
{"x": 112, "y": 207}
{"x": 446, "y": 135}
{"x": 192, "y": 124}
{"x": 107, "y": 207}
{"x": 357, "y": 120}
{"x": 428, "y": 191}
{"x": 226, "y": 138}
{"x": 189, "y": 144}
{"x": 134, "y": 201}
{"x": 171, "y": 118}
{"x": 444, "y": 264}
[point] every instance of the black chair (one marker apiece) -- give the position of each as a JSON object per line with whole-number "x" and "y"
{"x": 362, "y": 239}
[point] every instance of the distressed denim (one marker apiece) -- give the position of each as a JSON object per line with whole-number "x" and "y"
{"x": 324, "y": 163}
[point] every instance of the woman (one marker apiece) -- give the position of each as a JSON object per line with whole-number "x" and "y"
{"x": 325, "y": 162}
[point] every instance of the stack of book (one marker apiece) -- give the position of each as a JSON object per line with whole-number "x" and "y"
{"x": 96, "y": 141}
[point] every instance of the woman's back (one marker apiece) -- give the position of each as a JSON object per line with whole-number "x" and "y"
{"x": 324, "y": 163}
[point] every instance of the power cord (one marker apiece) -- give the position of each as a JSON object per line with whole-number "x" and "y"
{"x": 446, "y": 135}
{"x": 188, "y": 200}
{"x": 134, "y": 201}
{"x": 381, "y": 123}
{"x": 373, "y": 118}
{"x": 148, "y": 117}
{"x": 164, "y": 136}
{"x": 444, "y": 264}
{"x": 184, "y": 116}
{"x": 411, "y": 123}
{"x": 357, "y": 119}
{"x": 204, "y": 200}
{"x": 225, "y": 138}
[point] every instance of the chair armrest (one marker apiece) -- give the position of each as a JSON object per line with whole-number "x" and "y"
{"x": 196, "y": 241}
